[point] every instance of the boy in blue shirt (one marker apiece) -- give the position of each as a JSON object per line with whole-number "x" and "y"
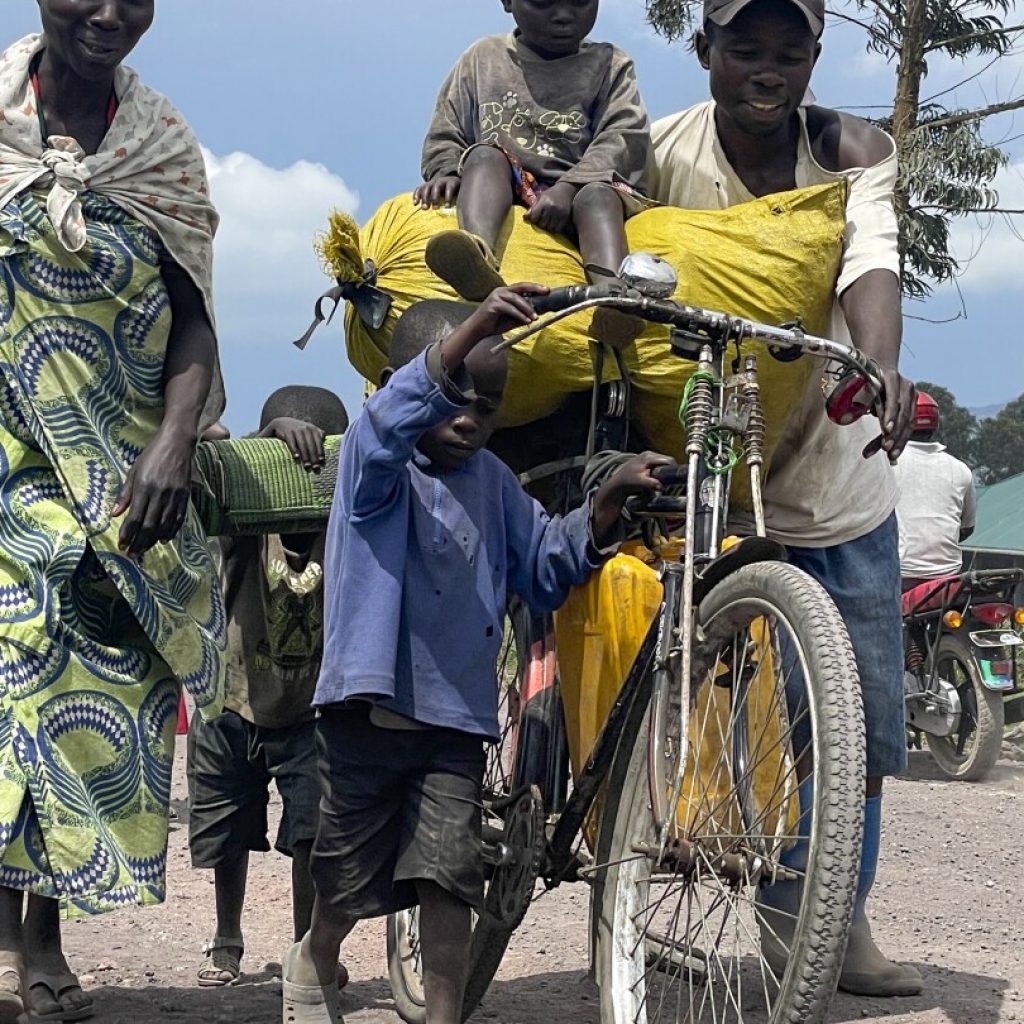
{"x": 428, "y": 534}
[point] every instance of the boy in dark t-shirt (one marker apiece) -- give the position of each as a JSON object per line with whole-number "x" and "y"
{"x": 273, "y": 596}
{"x": 546, "y": 117}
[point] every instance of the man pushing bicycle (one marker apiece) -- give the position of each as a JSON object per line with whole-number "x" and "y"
{"x": 829, "y": 504}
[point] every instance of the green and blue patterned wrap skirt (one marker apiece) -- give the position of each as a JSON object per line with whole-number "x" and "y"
{"x": 93, "y": 646}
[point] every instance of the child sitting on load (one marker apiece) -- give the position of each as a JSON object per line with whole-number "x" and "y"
{"x": 544, "y": 117}
{"x": 428, "y": 534}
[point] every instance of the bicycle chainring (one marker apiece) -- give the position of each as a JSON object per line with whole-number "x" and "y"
{"x": 512, "y": 883}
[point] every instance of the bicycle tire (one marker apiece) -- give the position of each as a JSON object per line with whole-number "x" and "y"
{"x": 634, "y": 982}
{"x": 989, "y": 716}
{"x": 490, "y": 937}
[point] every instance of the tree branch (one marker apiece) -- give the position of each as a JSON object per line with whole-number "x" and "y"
{"x": 971, "y": 115}
{"x": 953, "y": 40}
{"x": 875, "y": 33}
{"x": 969, "y": 209}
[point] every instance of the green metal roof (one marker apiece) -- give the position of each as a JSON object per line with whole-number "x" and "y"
{"x": 1000, "y": 523}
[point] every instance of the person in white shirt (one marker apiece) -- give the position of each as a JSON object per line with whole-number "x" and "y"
{"x": 831, "y": 507}
{"x": 937, "y": 504}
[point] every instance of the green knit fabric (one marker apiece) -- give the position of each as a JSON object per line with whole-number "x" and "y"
{"x": 253, "y": 485}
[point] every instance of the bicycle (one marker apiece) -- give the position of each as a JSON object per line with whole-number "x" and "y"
{"x": 732, "y": 761}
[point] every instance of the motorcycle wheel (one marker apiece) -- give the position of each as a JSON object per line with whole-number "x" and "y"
{"x": 970, "y": 752}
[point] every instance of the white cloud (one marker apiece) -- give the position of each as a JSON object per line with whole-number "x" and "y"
{"x": 990, "y": 247}
{"x": 267, "y": 277}
{"x": 265, "y": 269}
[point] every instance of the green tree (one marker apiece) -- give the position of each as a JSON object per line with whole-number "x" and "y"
{"x": 957, "y": 425}
{"x": 946, "y": 165}
{"x": 999, "y": 444}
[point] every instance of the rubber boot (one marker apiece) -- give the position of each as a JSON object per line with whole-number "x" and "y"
{"x": 866, "y": 971}
{"x": 778, "y": 904}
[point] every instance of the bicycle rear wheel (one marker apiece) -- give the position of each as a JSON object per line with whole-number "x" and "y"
{"x": 734, "y": 905}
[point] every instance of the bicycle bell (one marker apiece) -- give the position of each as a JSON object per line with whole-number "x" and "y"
{"x": 650, "y": 275}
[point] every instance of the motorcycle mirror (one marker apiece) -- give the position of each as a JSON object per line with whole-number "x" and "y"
{"x": 650, "y": 275}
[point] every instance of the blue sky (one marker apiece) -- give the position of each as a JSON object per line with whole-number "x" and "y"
{"x": 315, "y": 103}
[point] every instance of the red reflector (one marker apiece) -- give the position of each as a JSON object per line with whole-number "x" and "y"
{"x": 993, "y": 614}
{"x": 1000, "y": 668}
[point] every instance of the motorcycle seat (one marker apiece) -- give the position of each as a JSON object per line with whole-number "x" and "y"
{"x": 932, "y": 594}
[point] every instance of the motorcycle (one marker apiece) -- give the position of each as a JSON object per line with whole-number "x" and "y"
{"x": 962, "y": 637}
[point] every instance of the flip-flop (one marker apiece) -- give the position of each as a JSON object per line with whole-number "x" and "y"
{"x": 12, "y": 1005}
{"x": 307, "y": 1004}
{"x": 466, "y": 262}
{"x": 57, "y": 985}
{"x": 225, "y": 966}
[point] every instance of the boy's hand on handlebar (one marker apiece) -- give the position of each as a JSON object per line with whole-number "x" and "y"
{"x": 505, "y": 309}
{"x": 897, "y": 415}
{"x": 634, "y": 477}
{"x": 440, "y": 191}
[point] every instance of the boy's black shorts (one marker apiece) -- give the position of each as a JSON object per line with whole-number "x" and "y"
{"x": 231, "y": 763}
{"x": 396, "y": 806}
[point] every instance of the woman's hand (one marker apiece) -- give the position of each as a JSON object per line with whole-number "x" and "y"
{"x": 441, "y": 191}
{"x": 155, "y": 495}
{"x": 305, "y": 442}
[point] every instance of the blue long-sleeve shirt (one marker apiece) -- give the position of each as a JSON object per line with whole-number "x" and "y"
{"x": 420, "y": 561}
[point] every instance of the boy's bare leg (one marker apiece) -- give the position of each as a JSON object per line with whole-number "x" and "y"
{"x": 317, "y": 963}
{"x": 444, "y": 942}
{"x": 303, "y": 893}
{"x": 486, "y": 194}
{"x": 599, "y": 219}
{"x": 229, "y": 880}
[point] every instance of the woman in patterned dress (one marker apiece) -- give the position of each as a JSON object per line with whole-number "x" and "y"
{"x": 108, "y": 599}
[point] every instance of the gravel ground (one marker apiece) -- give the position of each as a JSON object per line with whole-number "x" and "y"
{"x": 944, "y": 901}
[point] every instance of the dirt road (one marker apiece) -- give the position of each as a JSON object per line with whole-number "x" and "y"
{"x": 947, "y": 900}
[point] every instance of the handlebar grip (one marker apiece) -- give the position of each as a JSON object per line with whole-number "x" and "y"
{"x": 561, "y": 298}
{"x": 670, "y": 476}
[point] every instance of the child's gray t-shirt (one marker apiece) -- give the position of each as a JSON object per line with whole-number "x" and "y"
{"x": 578, "y": 118}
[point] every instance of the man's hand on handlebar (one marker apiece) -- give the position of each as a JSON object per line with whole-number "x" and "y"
{"x": 897, "y": 416}
{"x": 638, "y": 476}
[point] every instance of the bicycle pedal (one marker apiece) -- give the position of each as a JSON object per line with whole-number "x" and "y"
{"x": 675, "y": 959}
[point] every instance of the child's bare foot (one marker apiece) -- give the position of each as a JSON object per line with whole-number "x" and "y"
{"x": 466, "y": 262}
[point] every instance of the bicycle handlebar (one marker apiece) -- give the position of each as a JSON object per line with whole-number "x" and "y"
{"x": 562, "y": 302}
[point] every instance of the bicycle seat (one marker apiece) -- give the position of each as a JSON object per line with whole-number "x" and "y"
{"x": 931, "y": 594}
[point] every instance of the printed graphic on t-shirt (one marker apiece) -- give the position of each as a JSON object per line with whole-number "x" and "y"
{"x": 544, "y": 132}
{"x": 295, "y": 626}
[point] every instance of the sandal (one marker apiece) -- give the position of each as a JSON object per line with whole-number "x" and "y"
{"x": 12, "y": 1006}
{"x": 307, "y": 1004}
{"x": 466, "y": 262}
{"x": 58, "y": 986}
{"x": 225, "y": 966}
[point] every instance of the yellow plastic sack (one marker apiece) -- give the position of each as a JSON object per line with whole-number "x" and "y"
{"x": 598, "y": 633}
{"x": 772, "y": 260}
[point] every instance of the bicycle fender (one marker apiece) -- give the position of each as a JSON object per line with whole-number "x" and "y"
{"x": 745, "y": 552}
